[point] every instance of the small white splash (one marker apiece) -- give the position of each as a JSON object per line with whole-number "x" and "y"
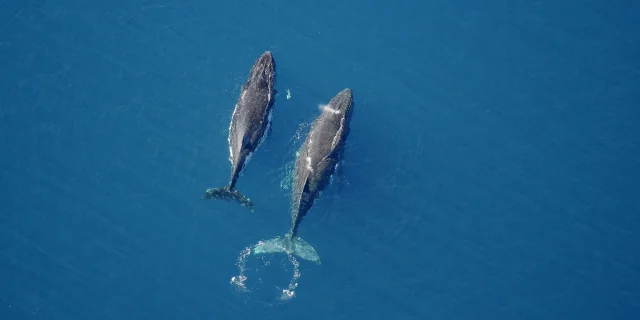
{"x": 287, "y": 294}
{"x": 327, "y": 107}
{"x": 239, "y": 282}
{"x": 288, "y": 94}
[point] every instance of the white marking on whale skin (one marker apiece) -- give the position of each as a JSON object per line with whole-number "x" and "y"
{"x": 240, "y": 131}
{"x": 235, "y": 109}
{"x": 266, "y": 129}
{"x": 338, "y": 134}
{"x": 309, "y": 164}
{"x": 270, "y": 89}
{"x": 309, "y": 144}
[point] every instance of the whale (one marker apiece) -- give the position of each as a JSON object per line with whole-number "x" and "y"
{"x": 315, "y": 163}
{"x": 250, "y": 123}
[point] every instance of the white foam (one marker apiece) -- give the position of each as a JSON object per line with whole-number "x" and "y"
{"x": 287, "y": 294}
{"x": 252, "y": 284}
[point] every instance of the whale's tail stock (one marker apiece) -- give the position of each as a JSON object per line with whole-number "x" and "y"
{"x": 228, "y": 193}
{"x": 289, "y": 245}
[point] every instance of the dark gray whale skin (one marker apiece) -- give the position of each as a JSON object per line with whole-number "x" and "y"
{"x": 250, "y": 122}
{"x": 315, "y": 163}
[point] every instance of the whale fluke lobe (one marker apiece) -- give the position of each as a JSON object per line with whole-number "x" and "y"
{"x": 289, "y": 245}
{"x": 226, "y": 193}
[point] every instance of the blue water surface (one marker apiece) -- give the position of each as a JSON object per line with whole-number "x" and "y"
{"x": 491, "y": 171}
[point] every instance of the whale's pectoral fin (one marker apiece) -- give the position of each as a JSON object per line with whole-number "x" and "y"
{"x": 228, "y": 194}
{"x": 292, "y": 246}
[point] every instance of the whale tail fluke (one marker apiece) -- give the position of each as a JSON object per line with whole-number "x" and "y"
{"x": 227, "y": 193}
{"x": 289, "y": 245}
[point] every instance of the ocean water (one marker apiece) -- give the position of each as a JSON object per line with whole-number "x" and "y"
{"x": 491, "y": 170}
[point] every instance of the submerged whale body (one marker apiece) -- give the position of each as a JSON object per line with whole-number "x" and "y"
{"x": 315, "y": 163}
{"x": 249, "y": 124}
